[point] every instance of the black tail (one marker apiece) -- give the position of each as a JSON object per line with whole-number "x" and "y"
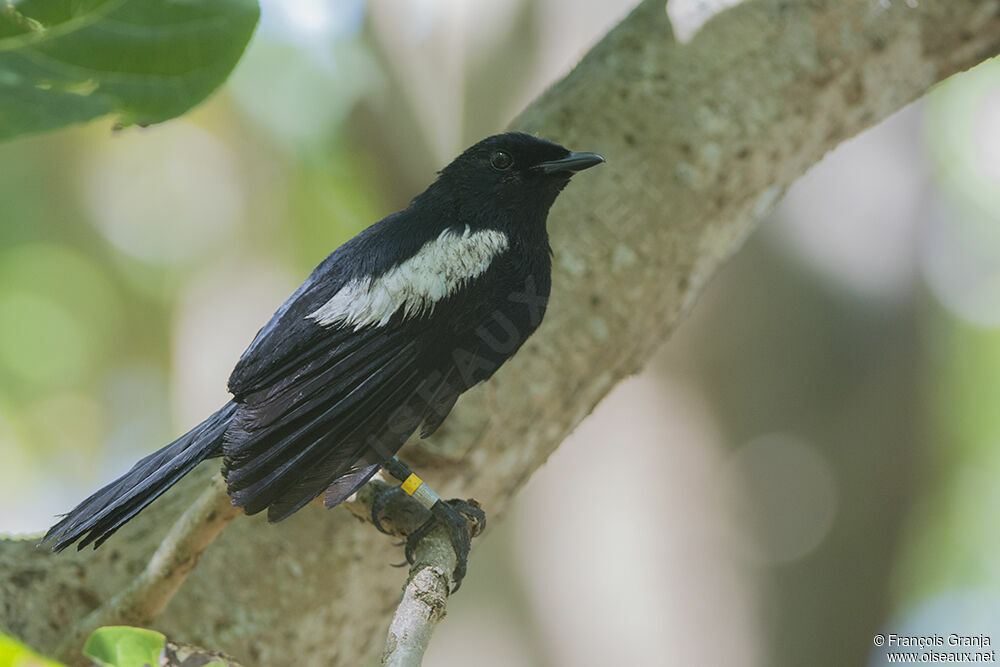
{"x": 100, "y": 515}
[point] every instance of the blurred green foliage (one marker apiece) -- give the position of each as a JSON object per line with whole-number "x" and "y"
{"x": 112, "y": 245}
{"x": 950, "y": 545}
{"x": 15, "y": 654}
{"x": 143, "y": 60}
{"x": 124, "y": 646}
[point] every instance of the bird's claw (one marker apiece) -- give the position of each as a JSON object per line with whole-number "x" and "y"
{"x": 380, "y": 501}
{"x": 464, "y": 519}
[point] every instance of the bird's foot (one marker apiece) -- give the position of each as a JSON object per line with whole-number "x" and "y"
{"x": 381, "y": 501}
{"x": 464, "y": 519}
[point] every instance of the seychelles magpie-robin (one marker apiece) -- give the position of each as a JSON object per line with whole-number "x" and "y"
{"x": 380, "y": 340}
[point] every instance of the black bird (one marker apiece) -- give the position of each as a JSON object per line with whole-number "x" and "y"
{"x": 381, "y": 339}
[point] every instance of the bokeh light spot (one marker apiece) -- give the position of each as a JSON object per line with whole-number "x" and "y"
{"x": 14, "y": 483}
{"x": 960, "y": 260}
{"x": 853, "y": 217}
{"x": 791, "y": 493}
{"x": 217, "y": 317}
{"x": 987, "y": 130}
{"x": 59, "y": 314}
{"x": 163, "y": 194}
{"x": 965, "y": 612}
{"x": 66, "y": 276}
{"x": 68, "y": 426}
{"x": 964, "y": 139}
{"x": 40, "y": 341}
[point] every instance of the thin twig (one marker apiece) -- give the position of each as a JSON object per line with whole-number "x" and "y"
{"x": 148, "y": 594}
{"x": 178, "y": 654}
{"x": 424, "y": 602}
{"x": 430, "y": 582}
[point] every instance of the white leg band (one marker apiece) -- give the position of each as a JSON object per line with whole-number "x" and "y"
{"x": 424, "y": 494}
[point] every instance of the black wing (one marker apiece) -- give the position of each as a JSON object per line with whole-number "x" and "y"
{"x": 293, "y": 439}
{"x": 330, "y": 407}
{"x": 321, "y": 408}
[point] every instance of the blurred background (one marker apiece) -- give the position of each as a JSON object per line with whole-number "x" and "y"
{"x": 818, "y": 446}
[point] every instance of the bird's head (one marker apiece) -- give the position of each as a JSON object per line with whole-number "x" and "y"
{"x": 513, "y": 173}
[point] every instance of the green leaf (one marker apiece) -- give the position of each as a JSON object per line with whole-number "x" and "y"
{"x": 68, "y": 61}
{"x": 124, "y": 646}
{"x": 15, "y": 654}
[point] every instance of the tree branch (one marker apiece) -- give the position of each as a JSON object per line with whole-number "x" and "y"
{"x": 146, "y": 597}
{"x": 702, "y": 139}
{"x": 430, "y": 581}
{"x": 179, "y": 654}
{"x": 423, "y": 605}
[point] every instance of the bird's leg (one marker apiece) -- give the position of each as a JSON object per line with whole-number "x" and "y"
{"x": 464, "y": 519}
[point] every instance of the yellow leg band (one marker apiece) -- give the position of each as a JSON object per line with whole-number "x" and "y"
{"x": 411, "y": 484}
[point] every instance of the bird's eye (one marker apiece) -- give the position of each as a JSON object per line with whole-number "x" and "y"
{"x": 501, "y": 160}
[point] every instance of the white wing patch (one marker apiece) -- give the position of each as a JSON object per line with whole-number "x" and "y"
{"x": 438, "y": 269}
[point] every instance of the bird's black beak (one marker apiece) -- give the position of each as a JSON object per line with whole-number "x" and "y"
{"x": 572, "y": 163}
